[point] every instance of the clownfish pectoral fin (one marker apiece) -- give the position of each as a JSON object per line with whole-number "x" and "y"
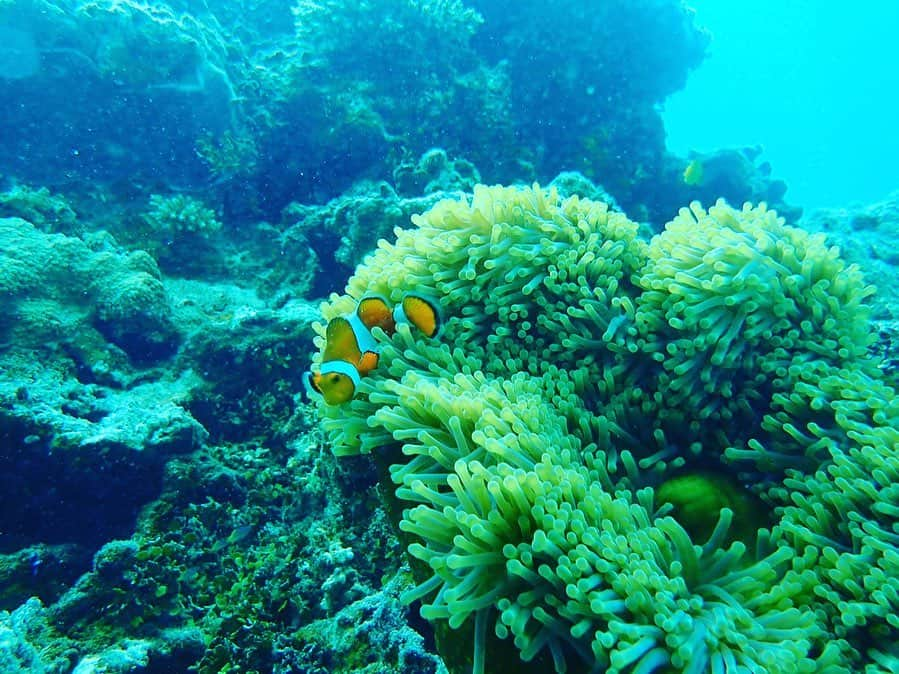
{"x": 421, "y": 312}
{"x": 311, "y": 384}
{"x": 336, "y": 383}
{"x": 373, "y": 311}
{"x": 341, "y": 341}
{"x": 368, "y": 362}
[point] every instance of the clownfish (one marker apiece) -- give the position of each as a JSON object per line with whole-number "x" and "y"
{"x": 351, "y": 351}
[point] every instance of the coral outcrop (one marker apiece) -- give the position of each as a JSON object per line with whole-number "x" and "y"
{"x": 143, "y": 533}
{"x": 180, "y": 215}
{"x": 601, "y": 68}
{"x": 261, "y": 103}
{"x": 324, "y": 243}
{"x": 869, "y": 236}
{"x": 38, "y": 206}
{"x": 156, "y": 75}
{"x": 81, "y": 291}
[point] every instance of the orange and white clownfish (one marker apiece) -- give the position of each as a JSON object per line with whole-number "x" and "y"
{"x": 351, "y": 351}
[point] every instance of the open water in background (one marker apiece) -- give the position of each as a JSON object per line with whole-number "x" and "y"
{"x": 816, "y": 82}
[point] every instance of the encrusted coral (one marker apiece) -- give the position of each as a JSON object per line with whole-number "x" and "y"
{"x": 868, "y": 235}
{"x": 581, "y": 367}
{"x": 60, "y": 289}
{"x": 618, "y": 59}
{"x": 38, "y": 206}
{"x": 448, "y": 22}
{"x": 180, "y": 214}
{"x": 433, "y": 172}
{"x": 331, "y": 239}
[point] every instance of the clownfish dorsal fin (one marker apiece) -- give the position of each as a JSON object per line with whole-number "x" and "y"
{"x": 341, "y": 342}
{"x": 422, "y": 312}
{"x": 373, "y": 311}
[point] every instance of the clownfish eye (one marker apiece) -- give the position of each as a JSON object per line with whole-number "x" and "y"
{"x": 334, "y": 378}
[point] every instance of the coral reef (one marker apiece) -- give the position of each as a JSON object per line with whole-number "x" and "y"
{"x": 581, "y": 368}
{"x": 80, "y": 426}
{"x": 256, "y": 105}
{"x": 249, "y": 559}
{"x": 81, "y": 292}
{"x": 180, "y": 177}
{"x": 180, "y": 231}
{"x": 735, "y": 175}
{"x": 571, "y": 183}
{"x": 347, "y": 62}
{"x": 152, "y": 416}
{"x": 155, "y": 77}
{"x": 180, "y": 214}
{"x": 250, "y": 352}
{"x": 39, "y": 570}
{"x": 169, "y": 509}
{"x": 334, "y": 237}
{"x": 38, "y": 206}
{"x": 433, "y": 172}
{"x": 869, "y": 236}
{"x": 610, "y": 64}
{"x": 184, "y": 492}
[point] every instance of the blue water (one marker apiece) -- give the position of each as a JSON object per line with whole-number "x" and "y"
{"x": 814, "y": 82}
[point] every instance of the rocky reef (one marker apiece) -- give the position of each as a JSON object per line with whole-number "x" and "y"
{"x": 167, "y": 497}
{"x": 260, "y": 104}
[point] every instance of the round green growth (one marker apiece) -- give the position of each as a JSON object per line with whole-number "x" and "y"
{"x": 625, "y": 455}
{"x": 180, "y": 214}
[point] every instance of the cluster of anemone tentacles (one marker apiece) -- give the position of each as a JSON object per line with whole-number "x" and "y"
{"x": 581, "y": 371}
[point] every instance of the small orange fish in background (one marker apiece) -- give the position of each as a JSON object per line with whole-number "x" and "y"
{"x": 351, "y": 351}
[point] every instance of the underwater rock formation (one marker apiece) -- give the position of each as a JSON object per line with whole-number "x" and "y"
{"x": 142, "y": 541}
{"x": 333, "y": 238}
{"x": 869, "y": 236}
{"x": 735, "y": 175}
{"x": 580, "y": 369}
{"x": 433, "y": 172}
{"x": 82, "y": 292}
{"x": 38, "y": 206}
{"x": 598, "y": 70}
{"x": 260, "y": 106}
{"x": 80, "y": 429}
{"x": 168, "y": 507}
{"x": 154, "y": 78}
{"x": 106, "y": 378}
